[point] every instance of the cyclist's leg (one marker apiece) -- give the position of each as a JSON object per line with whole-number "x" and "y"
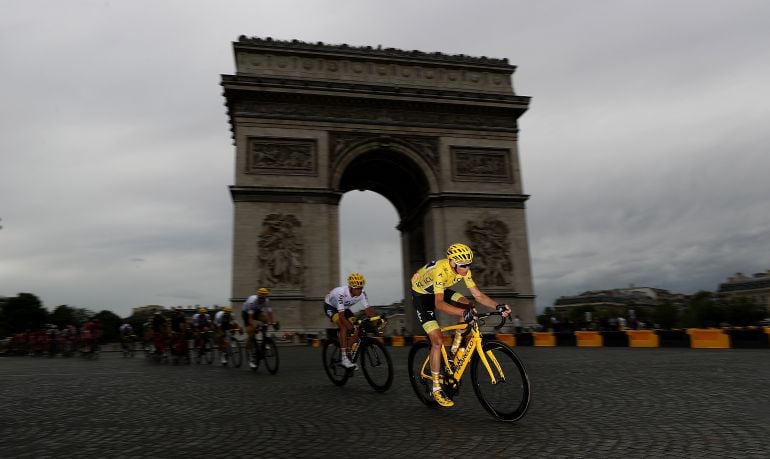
{"x": 426, "y": 314}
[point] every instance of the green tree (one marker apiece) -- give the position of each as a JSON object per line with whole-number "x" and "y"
{"x": 742, "y": 311}
{"x": 703, "y": 311}
{"x": 22, "y": 312}
{"x": 110, "y": 324}
{"x": 666, "y": 314}
{"x": 62, "y": 315}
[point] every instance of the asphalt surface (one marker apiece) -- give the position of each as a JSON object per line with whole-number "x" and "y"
{"x": 603, "y": 402}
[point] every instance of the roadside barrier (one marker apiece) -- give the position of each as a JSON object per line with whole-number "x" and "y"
{"x": 643, "y": 338}
{"x": 710, "y": 338}
{"x": 544, "y": 339}
{"x": 749, "y": 338}
{"x": 588, "y": 339}
{"x": 695, "y": 338}
{"x": 397, "y": 341}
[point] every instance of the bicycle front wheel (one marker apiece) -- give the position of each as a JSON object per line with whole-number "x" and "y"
{"x": 377, "y": 366}
{"x": 507, "y": 397}
{"x": 270, "y": 355}
{"x": 236, "y": 353}
{"x": 331, "y": 358}
{"x": 419, "y": 373}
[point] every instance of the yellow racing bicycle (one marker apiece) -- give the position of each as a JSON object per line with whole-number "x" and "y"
{"x": 498, "y": 377}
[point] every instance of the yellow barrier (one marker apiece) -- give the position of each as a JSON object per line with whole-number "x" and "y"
{"x": 316, "y": 342}
{"x": 397, "y": 341}
{"x": 544, "y": 339}
{"x": 417, "y": 339}
{"x": 506, "y": 338}
{"x": 643, "y": 338}
{"x": 585, "y": 338}
{"x": 710, "y": 338}
{"x": 448, "y": 339}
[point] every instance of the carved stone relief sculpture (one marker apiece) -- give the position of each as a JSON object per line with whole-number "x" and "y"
{"x": 492, "y": 264}
{"x": 481, "y": 164}
{"x": 281, "y": 252}
{"x": 281, "y": 156}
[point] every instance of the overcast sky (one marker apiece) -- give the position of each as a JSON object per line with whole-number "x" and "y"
{"x": 645, "y": 148}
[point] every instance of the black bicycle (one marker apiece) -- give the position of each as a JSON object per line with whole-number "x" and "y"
{"x": 263, "y": 348}
{"x": 376, "y": 363}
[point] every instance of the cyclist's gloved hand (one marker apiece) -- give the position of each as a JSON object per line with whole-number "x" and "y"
{"x": 504, "y": 309}
{"x": 468, "y": 315}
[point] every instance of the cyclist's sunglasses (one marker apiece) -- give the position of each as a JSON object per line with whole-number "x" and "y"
{"x": 466, "y": 265}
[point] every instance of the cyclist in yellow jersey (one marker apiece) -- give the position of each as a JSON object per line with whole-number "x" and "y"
{"x": 430, "y": 292}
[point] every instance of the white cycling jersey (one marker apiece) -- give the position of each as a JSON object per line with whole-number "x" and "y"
{"x": 342, "y": 299}
{"x": 254, "y": 304}
{"x": 200, "y": 319}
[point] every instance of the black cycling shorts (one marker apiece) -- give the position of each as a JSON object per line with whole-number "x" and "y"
{"x": 330, "y": 311}
{"x": 425, "y": 306}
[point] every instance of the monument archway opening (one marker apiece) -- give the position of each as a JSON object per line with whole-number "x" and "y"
{"x": 435, "y": 134}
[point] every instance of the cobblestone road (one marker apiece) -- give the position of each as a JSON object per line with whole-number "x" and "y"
{"x": 602, "y": 402}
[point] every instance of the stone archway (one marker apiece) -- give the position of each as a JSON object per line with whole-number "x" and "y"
{"x": 313, "y": 121}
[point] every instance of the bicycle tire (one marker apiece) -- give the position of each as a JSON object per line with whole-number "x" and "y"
{"x": 270, "y": 355}
{"x": 331, "y": 356}
{"x": 419, "y": 373}
{"x": 376, "y": 365}
{"x": 236, "y": 353}
{"x": 508, "y": 399}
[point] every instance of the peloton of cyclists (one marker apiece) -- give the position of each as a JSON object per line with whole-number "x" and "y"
{"x": 340, "y": 305}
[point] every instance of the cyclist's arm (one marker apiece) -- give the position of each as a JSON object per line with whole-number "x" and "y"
{"x": 482, "y": 298}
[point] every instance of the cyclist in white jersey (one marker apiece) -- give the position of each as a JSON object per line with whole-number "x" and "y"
{"x": 341, "y": 304}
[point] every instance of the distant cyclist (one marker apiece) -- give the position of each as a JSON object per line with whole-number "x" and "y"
{"x": 430, "y": 292}
{"x": 337, "y": 306}
{"x": 224, "y": 322}
{"x": 256, "y": 308}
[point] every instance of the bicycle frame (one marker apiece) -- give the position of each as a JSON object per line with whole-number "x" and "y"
{"x": 472, "y": 342}
{"x": 362, "y": 337}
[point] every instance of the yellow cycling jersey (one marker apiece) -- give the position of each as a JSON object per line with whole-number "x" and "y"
{"x": 437, "y": 276}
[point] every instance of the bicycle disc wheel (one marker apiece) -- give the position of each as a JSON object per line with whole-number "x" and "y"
{"x": 236, "y": 353}
{"x": 419, "y": 373}
{"x": 331, "y": 358}
{"x": 377, "y": 366}
{"x": 270, "y": 355}
{"x": 508, "y": 398}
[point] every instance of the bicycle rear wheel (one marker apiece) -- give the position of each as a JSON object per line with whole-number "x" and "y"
{"x": 270, "y": 355}
{"x": 419, "y": 373}
{"x": 376, "y": 365}
{"x": 331, "y": 359}
{"x": 508, "y": 398}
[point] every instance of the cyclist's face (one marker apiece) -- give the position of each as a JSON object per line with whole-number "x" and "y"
{"x": 462, "y": 269}
{"x": 355, "y": 291}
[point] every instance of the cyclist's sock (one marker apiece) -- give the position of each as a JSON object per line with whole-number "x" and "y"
{"x": 436, "y": 380}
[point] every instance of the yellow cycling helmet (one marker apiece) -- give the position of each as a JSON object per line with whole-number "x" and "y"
{"x": 460, "y": 254}
{"x": 203, "y": 310}
{"x": 228, "y": 309}
{"x": 356, "y": 280}
{"x": 263, "y": 292}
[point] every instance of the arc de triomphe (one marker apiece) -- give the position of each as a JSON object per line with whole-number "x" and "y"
{"x": 435, "y": 134}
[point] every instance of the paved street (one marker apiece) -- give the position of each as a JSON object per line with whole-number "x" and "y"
{"x": 605, "y": 402}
